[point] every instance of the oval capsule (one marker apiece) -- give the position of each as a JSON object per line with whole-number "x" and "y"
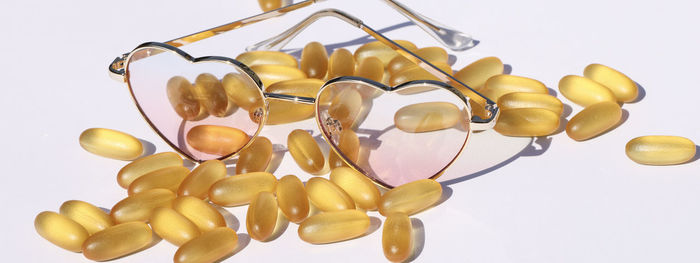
{"x": 519, "y": 100}
{"x": 416, "y": 72}
{"x": 623, "y": 87}
{"x": 327, "y": 196}
{"x": 476, "y": 73}
{"x": 117, "y": 241}
{"x": 594, "y": 120}
{"x": 111, "y": 144}
{"x": 345, "y": 106}
{"x": 215, "y": 139}
{"x": 92, "y": 218}
{"x": 584, "y": 91}
{"x": 139, "y": 207}
{"x": 305, "y": 151}
{"x": 370, "y": 68}
{"x": 527, "y": 122}
{"x": 285, "y": 111}
{"x": 242, "y": 92}
{"x": 381, "y": 51}
{"x": 256, "y": 157}
{"x": 427, "y": 117}
{"x": 292, "y": 198}
{"x": 358, "y": 186}
{"x": 500, "y": 85}
{"x": 431, "y": 54}
{"x": 201, "y": 213}
{"x": 314, "y": 60}
{"x": 211, "y": 94}
{"x": 145, "y": 165}
{"x": 173, "y": 226}
{"x": 397, "y": 237}
{"x": 261, "y": 217}
{"x": 265, "y": 57}
{"x": 60, "y": 230}
{"x": 660, "y": 150}
{"x": 271, "y": 74}
{"x": 183, "y": 100}
{"x": 208, "y": 247}
{"x": 341, "y": 63}
{"x": 410, "y": 198}
{"x": 241, "y": 189}
{"x": 198, "y": 182}
{"x": 166, "y": 178}
{"x": 329, "y": 227}
{"x": 349, "y": 145}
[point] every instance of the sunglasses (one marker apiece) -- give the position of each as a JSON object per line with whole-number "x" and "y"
{"x": 213, "y": 107}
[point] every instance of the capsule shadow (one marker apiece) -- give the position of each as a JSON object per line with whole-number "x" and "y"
{"x": 567, "y": 110}
{"x": 562, "y": 125}
{"x": 451, "y": 59}
{"x": 374, "y": 224}
{"x": 507, "y": 69}
{"x": 231, "y": 220}
{"x": 697, "y": 155}
{"x": 280, "y": 227}
{"x": 641, "y": 93}
{"x": 148, "y": 148}
{"x": 243, "y": 241}
{"x": 418, "y": 232}
{"x": 446, "y": 194}
{"x": 278, "y": 151}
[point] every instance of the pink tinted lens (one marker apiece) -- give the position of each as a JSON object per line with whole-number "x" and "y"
{"x": 207, "y": 110}
{"x": 406, "y": 135}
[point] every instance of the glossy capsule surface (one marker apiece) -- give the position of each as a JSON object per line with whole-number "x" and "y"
{"x": 117, "y": 241}
{"x": 370, "y": 68}
{"x": 594, "y": 120}
{"x": 584, "y": 91}
{"x": 476, "y": 73}
{"x": 397, "y": 237}
{"x": 261, "y": 217}
{"x": 527, "y": 122}
{"x": 292, "y": 198}
{"x": 182, "y": 98}
{"x": 518, "y": 100}
{"x": 256, "y": 157}
{"x": 410, "y": 198}
{"x": 215, "y": 139}
{"x": 198, "y": 182}
{"x": 305, "y": 151}
{"x": 284, "y": 111}
{"x": 503, "y": 84}
{"x": 327, "y": 196}
{"x": 201, "y": 213}
{"x": 341, "y": 63}
{"x": 240, "y": 189}
{"x": 60, "y": 230}
{"x": 265, "y": 57}
{"x": 140, "y": 207}
{"x": 314, "y": 60}
{"x": 345, "y": 106}
{"x": 383, "y": 52}
{"x": 111, "y": 144}
{"x": 242, "y": 92}
{"x": 166, "y": 178}
{"x": 660, "y": 150}
{"x": 349, "y": 145}
{"x": 271, "y": 74}
{"x": 431, "y": 54}
{"x": 623, "y": 87}
{"x": 173, "y": 226}
{"x": 92, "y": 218}
{"x": 362, "y": 190}
{"x": 329, "y": 227}
{"x": 208, "y": 247}
{"x": 211, "y": 94}
{"x": 427, "y": 116}
{"x": 416, "y": 72}
{"x": 145, "y": 165}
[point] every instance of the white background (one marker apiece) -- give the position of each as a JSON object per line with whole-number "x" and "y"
{"x": 511, "y": 199}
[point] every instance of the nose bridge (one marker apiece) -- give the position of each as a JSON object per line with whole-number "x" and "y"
{"x": 290, "y": 98}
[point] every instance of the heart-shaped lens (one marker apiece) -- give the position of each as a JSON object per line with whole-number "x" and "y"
{"x": 206, "y": 108}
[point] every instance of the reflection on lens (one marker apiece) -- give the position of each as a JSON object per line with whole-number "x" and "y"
{"x": 241, "y": 93}
{"x": 427, "y": 116}
{"x": 211, "y": 94}
{"x": 218, "y": 140}
{"x": 348, "y": 144}
{"x": 183, "y": 101}
{"x": 345, "y": 106}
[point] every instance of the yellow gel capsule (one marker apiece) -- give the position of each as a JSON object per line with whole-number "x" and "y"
{"x": 182, "y": 98}
{"x": 198, "y": 182}
{"x": 265, "y": 57}
{"x": 305, "y": 151}
{"x": 527, "y": 122}
{"x": 60, "y": 230}
{"x": 329, "y": 227}
{"x": 416, "y": 72}
{"x": 314, "y": 60}
{"x": 111, "y": 144}
{"x": 173, "y": 226}
{"x": 327, "y": 196}
{"x": 268, "y": 5}
{"x": 241, "y": 92}
{"x": 211, "y": 94}
{"x": 519, "y": 100}
{"x": 241, "y": 189}
{"x": 623, "y": 87}
{"x": 341, "y": 63}
{"x": 397, "y": 237}
{"x": 271, "y": 74}
{"x": 427, "y": 116}
{"x": 201, "y": 213}
{"x": 285, "y": 111}
{"x": 208, "y": 247}
{"x": 349, "y": 145}
{"x": 594, "y": 120}
{"x": 215, "y": 139}
{"x": 660, "y": 150}
{"x": 431, "y": 54}
{"x": 166, "y": 178}
{"x": 292, "y": 198}
{"x": 117, "y": 241}
{"x": 383, "y": 52}
{"x": 370, "y": 68}
{"x": 139, "y": 207}
{"x": 345, "y": 106}
{"x": 145, "y": 165}
{"x": 261, "y": 217}
{"x": 410, "y": 198}
{"x": 358, "y": 186}
{"x": 256, "y": 157}
{"x": 584, "y": 91}
{"x": 476, "y": 73}
{"x": 92, "y": 218}
{"x": 500, "y": 85}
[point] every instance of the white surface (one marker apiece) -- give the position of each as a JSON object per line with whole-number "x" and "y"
{"x": 557, "y": 201}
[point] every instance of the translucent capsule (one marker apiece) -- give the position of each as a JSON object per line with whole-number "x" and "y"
{"x": 305, "y": 151}
{"x": 349, "y": 145}
{"x": 327, "y": 196}
{"x": 241, "y": 92}
{"x": 427, "y": 116}
{"x": 166, "y": 178}
{"x": 527, "y": 122}
{"x": 271, "y": 74}
{"x": 211, "y": 94}
{"x": 139, "y": 207}
{"x": 208, "y": 247}
{"x": 358, "y": 186}
{"x": 476, "y": 73}
{"x": 370, "y": 68}
{"x": 623, "y": 87}
{"x": 264, "y": 57}
{"x": 416, "y": 72}
{"x": 145, "y": 165}
{"x": 117, "y": 241}
{"x": 314, "y": 60}
{"x": 198, "y": 182}
{"x": 60, "y": 230}
{"x": 111, "y": 144}
{"x": 345, "y": 106}
{"x": 201, "y": 213}
{"x": 518, "y": 100}
{"x": 182, "y": 98}
{"x": 594, "y": 120}
{"x": 660, "y": 150}
{"x": 341, "y": 63}
{"x": 500, "y": 85}
{"x": 329, "y": 227}
{"x": 285, "y": 111}
{"x": 92, "y": 218}
{"x": 410, "y": 198}
{"x": 215, "y": 139}
{"x": 292, "y": 198}
{"x": 256, "y": 157}
{"x": 383, "y": 52}
{"x": 430, "y": 54}
{"x": 173, "y": 226}
{"x": 584, "y": 91}
{"x": 261, "y": 217}
{"x": 241, "y": 189}
{"x": 397, "y": 237}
